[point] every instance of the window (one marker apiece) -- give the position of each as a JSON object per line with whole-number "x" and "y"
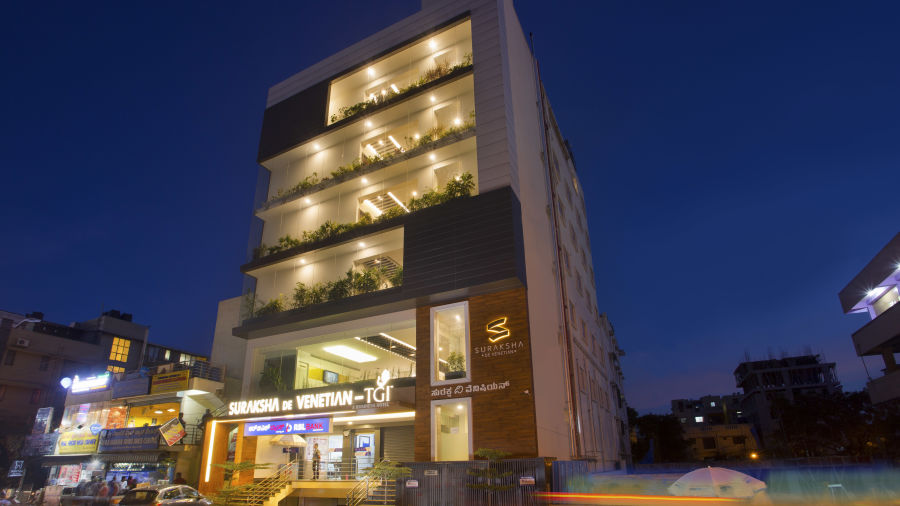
{"x": 113, "y": 369}
{"x": 709, "y": 443}
{"x": 712, "y": 404}
{"x": 450, "y": 343}
{"x": 189, "y": 493}
{"x": 451, "y": 438}
{"x": 45, "y": 363}
{"x": 36, "y": 396}
{"x": 119, "y": 350}
{"x": 698, "y": 419}
{"x": 10, "y": 357}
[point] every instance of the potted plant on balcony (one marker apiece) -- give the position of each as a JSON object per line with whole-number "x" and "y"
{"x": 456, "y": 363}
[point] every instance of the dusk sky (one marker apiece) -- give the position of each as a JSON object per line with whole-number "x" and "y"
{"x": 739, "y": 161}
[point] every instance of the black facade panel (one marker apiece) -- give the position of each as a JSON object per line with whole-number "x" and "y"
{"x": 463, "y": 243}
{"x": 301, "y": 116}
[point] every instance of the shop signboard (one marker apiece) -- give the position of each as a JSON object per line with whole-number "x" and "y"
{"x": 299, "y": 426}
{"x": 17, "y": 469}
{"x": 90, "y": 384}
{"x": 172, "y": 431}
{"x": 130, "y": 439}
{"x": 130, "y": 387}
{"x": 42, "y": 421}
{"x": 39, "y": 444}
{"x": 357, "y": 396}
{"x": 77, "y": 442}
{"x": 170, "y": 382}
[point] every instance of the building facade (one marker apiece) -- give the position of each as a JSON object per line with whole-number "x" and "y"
{"x": 422, "y": 283}
{"x": 715, "y": 427}
{"x": 708, "y": 410}
{"x": 875, "y": 292}
{"x": 764, "y": 381}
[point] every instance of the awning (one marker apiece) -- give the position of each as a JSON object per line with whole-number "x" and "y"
{"x": 140, "y": 458}
{"x": 65, "y": 460}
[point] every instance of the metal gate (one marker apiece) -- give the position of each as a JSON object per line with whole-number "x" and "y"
{"x": 479, "y": 482}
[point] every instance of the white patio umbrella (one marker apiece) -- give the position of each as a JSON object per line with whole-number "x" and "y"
{"x": 716, "y": 482}
{"x": 288, "y": 440}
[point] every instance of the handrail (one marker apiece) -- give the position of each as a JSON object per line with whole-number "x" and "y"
{"x": 259, "y": 492}
{"x": 359, "y": 493}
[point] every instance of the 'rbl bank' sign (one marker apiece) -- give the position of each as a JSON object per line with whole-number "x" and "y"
{"x": 299, "y": 426}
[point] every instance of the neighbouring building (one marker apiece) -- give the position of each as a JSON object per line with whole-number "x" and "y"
{"x": 874, "y": 291}
{"x": 764, "y": 381}
{"x": 421, "y": 283}
{"x": 714, "y": 427}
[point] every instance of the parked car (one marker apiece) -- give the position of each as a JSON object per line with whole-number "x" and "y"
{"x": 164, "y": 495}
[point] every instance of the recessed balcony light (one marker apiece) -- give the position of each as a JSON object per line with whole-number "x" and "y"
{"x": 394, "y": 141}
{"x": 349, "y": 353}
{"x": 414, "y": 193}
{"x": 158, "y": 412}
{"x": 365, "y": 181}
{"x": 316, "y": 146}
{"x": 171, "y": 410}
{"x": 307, "y": 201}
{"x": 457, "y": 178}
{"x": 383, "y": 91}
{"x": 432, "y": 157}
{"x": 459, "y": 406}
{"x": 371, "y": 72}
{"x": 433, "y": 99}
{"x": 303, "y": 261}
{"x": 432, "y": 44}
{"x": 380, "y": 142}
{"x": 416, "y": 137}
{"x": 394, "y": 87}
{"x": 362, "y": 244}
{"x": 457, "y": 121}
{"x": 368, "y": 124}
{"x": 457, "y": 318}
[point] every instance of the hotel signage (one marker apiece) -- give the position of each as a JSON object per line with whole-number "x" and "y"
{"x": 301, "y": 426}
{"x": 326, "y": 399}
{"x": 90, "y": 384}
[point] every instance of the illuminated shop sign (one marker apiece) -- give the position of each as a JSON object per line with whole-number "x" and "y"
{"x": 273, "y": 427}
{"x": 90, "y": 384}
{"x": 498, "y": 330}
{"x": 381, "y": 392}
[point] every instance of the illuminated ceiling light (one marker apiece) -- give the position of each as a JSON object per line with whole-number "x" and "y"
{"x": 414, "y": 193}
{"x": 457, "y": 121}
{"x": 373, "y": 207}
{"x": 368, "y": 124}
{"x": 432, "y": 157}
{"x": 383, "y": 91}
{"x": 371, "y": 72}
{"x": 349, "y": 353}
{"x": 171, "y": 410}
{"x": 391, "y": 195}
{"x": 380, "y": 198}
{"x": 457, "y": 178}
{"x": 66, "y": 382}
{"x": 372, "y": 150}
{"x": 432, "y": 44}
{"x": 307, "y": 201}
{"x": 316, "y": 146}
{"x": 372, "y": 97}
{"x": 457, "y": 317}
{"x": 381, "y": 142}
{"x": 875, "y": 292}
{"x": 459, "y": 406}
{"x": 416, "y": 137}
{"x": 392, "y": 139}
{"x": 392, "y": 338}
{"x": 303, "y": 261}
{"x": 158, "y": 411}
{"x": 394, "y": 87}
{"x": 433, "y": 99}
{"x": 362, "y": 244}
{"x": 365, "y": 181}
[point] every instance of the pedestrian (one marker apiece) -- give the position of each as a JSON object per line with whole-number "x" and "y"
{"x": 316, "y": 458}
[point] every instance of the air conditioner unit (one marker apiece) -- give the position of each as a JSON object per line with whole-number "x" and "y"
{"x": 21, "y": 342}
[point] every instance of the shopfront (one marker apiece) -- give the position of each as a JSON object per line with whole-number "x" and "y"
{"x": 353, "y": 426}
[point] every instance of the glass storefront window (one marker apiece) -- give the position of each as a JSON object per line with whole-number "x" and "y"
{"x": 104, "y": 414}
{"x": 451, "y": 437}
{"x": 154, "y": 414}
{"x": 450, "y": 343}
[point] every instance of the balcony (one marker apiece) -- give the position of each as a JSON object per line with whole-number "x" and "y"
{"x": 883, "y": 331}
{"x": 885, "y": 388}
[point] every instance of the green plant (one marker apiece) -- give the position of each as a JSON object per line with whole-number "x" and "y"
{"x": 231, "y": 494}
{"x": 271, "y": 381}
{"x": 386, "y": 470}
{"x": 396, "y": 279}
{"x": 275, "y": 305}
{"x": 456, "y": 362}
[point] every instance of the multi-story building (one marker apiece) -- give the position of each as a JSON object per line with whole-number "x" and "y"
{"x": 874, "y": 291}
{"x": 422, "y": 284}
{"x": 764, "y": 381}
{"x": 708, "y": 410}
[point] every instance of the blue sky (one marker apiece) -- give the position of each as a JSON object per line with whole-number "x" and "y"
{"x": 739, "y": 161}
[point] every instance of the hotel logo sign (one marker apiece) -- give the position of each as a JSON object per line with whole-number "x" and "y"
{"x": 497, "y": 331}
{"x": 381, "y": 392}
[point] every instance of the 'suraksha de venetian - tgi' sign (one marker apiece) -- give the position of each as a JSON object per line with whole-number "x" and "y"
{"x": 346, "y": 398}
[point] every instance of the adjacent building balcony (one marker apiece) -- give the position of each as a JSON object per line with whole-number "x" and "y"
{"x": 885, "y": 388}
{"x": 881, "y": 333}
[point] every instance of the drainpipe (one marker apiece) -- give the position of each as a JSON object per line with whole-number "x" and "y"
{"x": 571, "y": 395}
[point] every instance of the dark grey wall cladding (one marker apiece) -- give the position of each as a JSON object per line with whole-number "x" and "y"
{"x": 301, "y": 116}
{"x": 463, "y": 243}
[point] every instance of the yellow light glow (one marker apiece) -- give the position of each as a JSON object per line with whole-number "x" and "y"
{"x": 402, "y": 415}
{"x": 433, "y": 99}
{"x": 368, "y": 123}
{"x": 498, "y": 328}
{"x": 365, "y": 181}
{"x": 307, "y": 201}
{"x": 754, "y": 455}
{"x": 457, "y": 121}
{"x": 375, "y": 210}
{"x": 316, "y": 146}
{"x": 432, "y": 157}
{"x": 414, "y": 193}
{"x": 371, "y": 71}
{"x": 393, "y": 140}
{"x": 209, "y": 452}
{"x": 394, "y": 87}
{"x": 398, "y": 201}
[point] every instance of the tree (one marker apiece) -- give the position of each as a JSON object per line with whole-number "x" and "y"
{"x": 661, "y": 432}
